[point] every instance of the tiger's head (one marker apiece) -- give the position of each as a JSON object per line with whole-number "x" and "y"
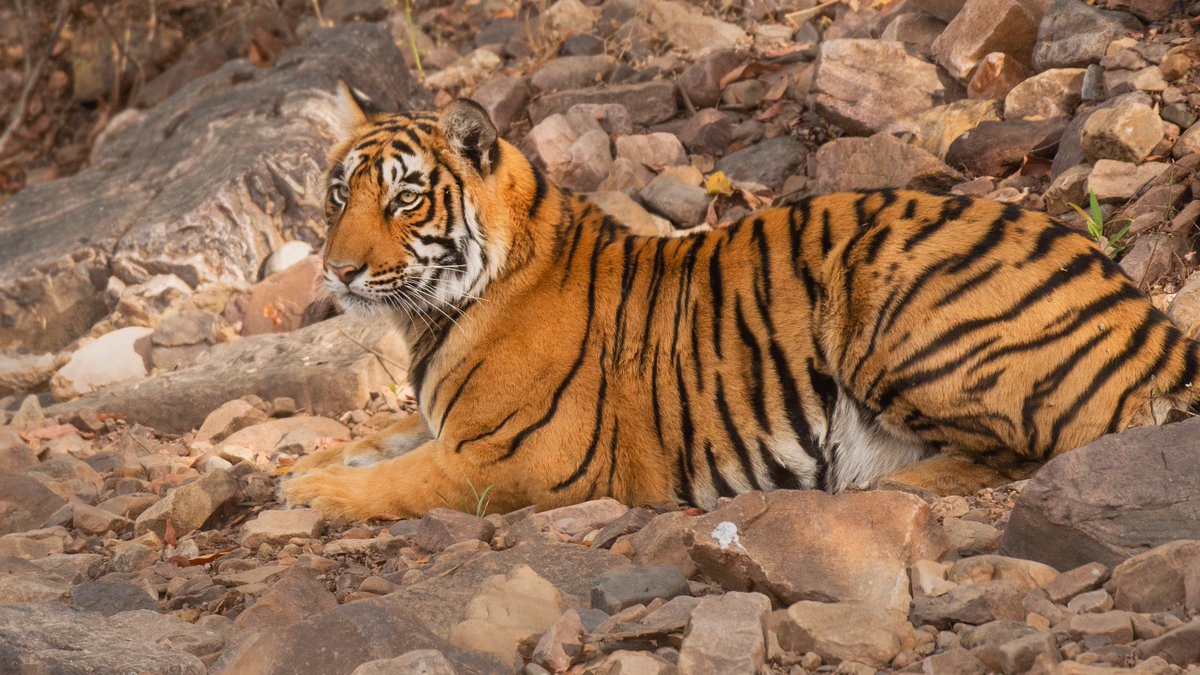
{"x": 420, "y": 209}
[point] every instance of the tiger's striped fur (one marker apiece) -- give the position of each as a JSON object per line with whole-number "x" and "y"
{"x": 943, "y": 342}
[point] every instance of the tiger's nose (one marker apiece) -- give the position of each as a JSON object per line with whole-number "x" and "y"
{"x": 345, "y": 273}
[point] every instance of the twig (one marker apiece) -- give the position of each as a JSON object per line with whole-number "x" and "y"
{"x": 412, "y": 37}
{"x": 383, "y": 360}
{"x": 32, "y": 73}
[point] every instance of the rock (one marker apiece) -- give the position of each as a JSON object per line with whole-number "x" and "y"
{"x": 1018, "y": 655}
{"x": 323, "y": 367}
{"x": 577, "y": 156}
{"x": 290, "y": 253}
{"x": 295, "y": 596}
{"x": 21, "y": 373}
{"x": 623, "y": 662}
{"x": 97, "y": 521}
{"x": 684, "y": 205}
{"x": 277, "y": 304}
{"x": 506, "y": 611}
{"x": 1146, "y": 10}
{"x": 708, "y": 132}
{"x": 232, "y": 416}
{"x": 438, "y": 603}
{"x": 443, "y": 527}
{"x": 1114, "y": 181}
{"x": 648, "y": 102}
{"x": 582, "y": 45}
{"x": 339, "y": 639}
{"x": 1116, "y": 626}
{"x": 843, "y": 631}
{"x": 929, "y": 578}
{"x": 168, "y": 631}
{"x": 1073, "y": 34}
{"x": 974, "y": 604}
{"x": 1091, "y": 602}
{"x": 572, "y": 72}
{"x": 181, "y": 329}
{"x": 877, "y": 162}
{"x": 566, "y": 18}
{"x": 916, "y": 31}
{"x": 561, "y": 644}
{"x": 937, "y": 128}
{"x": 416, "y": 662}
{"x": 187, "y": 507}
{"x": 278, "y": 526}
{"x": 32, "y": 636}
{"x": 1051, "y": 93}
{"x": 1069, "y": 188}
{"x": 1126, "y": 133}
{"x": 1188, "y": 143}
{"x": 291, "y": 434}
{"x": 662, "y": 541}
{"x": 726, "y": 634}
{"x": 209, "y": 170}
{"x": 690, "y": 31}
{"x": 856, "y": 547}
{"x": 1184, "y": 309}
{"x": 1074, "y": 501}
{"x": 631, "y": 214}
{"x": 1154, "y": 581}
{"x": 768, "y": 163}
{"x": 574, "y": 520}
{"x": 33, "y": 544}
{"x": 1180, "y": 645}
{"x": 1152, "y": 256}
{"x": 504, "y": 99}
{"x": 969, "y": 537}
{"x": 995, "y": 148}
{"x": 958, "y": 661}
{"x": 995, "y": 76}
{"x": 701, "y": 81}
{"x": 1075, "y": 581}
{"x": 35, "y": 586}
{"x": 853, "y": 85}
{"x": 109, "y": 595}
{"x": 1026, "y": 575}
{"x": 625, "y": 176}
{"x": 114, "y": 357}
{"x": 657, "y": 150}
{"x": 467, "y": 70}
{"x": 982, "y": 27}
{"x": 627, "y": 586}
{"x": 29, "y": 416}
{"x": 25, "y": 503}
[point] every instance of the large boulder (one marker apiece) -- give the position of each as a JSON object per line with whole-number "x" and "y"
{"x": 855, "y": 85}
{"x": 1116, "y": 498}
{"x": 327, "y": 368}
{"x": 203, "y": 186}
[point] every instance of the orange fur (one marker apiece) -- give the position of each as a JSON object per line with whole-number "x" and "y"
{"x": 943, "y": 342}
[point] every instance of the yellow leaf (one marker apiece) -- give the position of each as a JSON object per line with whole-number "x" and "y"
{"x": 718, "y": 184}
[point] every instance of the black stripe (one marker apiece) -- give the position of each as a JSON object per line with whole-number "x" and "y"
{"x": 612, "y": 455}
{"x": 995, "y": 235}
{"x": 628, "y": 274}
{"x": 656, "y": 275}
{"x": 457, "y": 392}
{"x": 878, "y": 238}
{"x": 781, "y": 477}
{"x": 723, "y": 488}
{"x": 968, "y": 284}
{"x": 739, "y": 445}
{"x": 686, "y": 429}
{"x": 491, "y": 432}
{"x": 757, "y": 385}
{"x": 1046, "y": 385}
{"x": 590, "y": 453}
{"x": 717, "y": 292}
{"x": 539, "y": 191}
{"x": 657, "y": 405}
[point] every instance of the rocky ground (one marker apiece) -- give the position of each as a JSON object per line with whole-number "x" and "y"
{"x": 166, "y": 355}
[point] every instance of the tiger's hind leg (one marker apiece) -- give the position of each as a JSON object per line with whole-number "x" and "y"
{"x": 956, "y": 473}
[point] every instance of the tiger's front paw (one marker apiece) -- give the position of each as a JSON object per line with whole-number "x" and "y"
{"x": 337, "y": 491}
{"x": 362, "y": 452}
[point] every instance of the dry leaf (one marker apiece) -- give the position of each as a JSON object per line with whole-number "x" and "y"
{"x": 718, "y": 184}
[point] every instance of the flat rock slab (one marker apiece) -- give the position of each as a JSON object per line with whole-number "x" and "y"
{"x": 326, "y": 368}
{"x": 204, "y": 185}
{"x": 440, "y": 602}
{"x": 1115, "y": 498}
{"x": 336, "y": 641}
{"x": 811, "y": 545}
{"x": 53, "y": 638}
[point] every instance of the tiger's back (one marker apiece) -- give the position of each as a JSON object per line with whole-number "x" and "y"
{"x": 943, "y": 342}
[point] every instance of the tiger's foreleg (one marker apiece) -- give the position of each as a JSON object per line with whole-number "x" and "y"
{"x": 410, "y": 485}
{"x": 399, "y": 438}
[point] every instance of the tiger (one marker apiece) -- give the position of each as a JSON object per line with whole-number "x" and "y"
{"x": 936, "y": 343}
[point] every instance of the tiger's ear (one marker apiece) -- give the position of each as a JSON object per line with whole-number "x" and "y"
{"x": 471, "y": 134}
{"x": 352, "y": 109}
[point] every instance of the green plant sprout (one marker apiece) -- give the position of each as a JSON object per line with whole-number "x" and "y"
{"x": 481, "y": 500}
{"x": 1095, "y": 226}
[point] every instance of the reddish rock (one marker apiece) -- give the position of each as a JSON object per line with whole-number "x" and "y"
{"x": 1154, "y": 581}
{"x": 879, "y": 161}
{"x": 997, "y": 148}
{"x": 277, "y": 303}
{"x": 816, "y": 546}
{"x": 995, "y": 76}
{"x": 444, "y": 527}
{"x": 701, "y": 81}
{"x": 504, "y": 99}
{"x": 853, "y": 85}
{"x": 25, "y": 503}
{"x": 985, "y": 26}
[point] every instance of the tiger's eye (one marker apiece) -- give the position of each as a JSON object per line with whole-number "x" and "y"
{"x": 409, "y": 196}
{"x": 340, "y": 193}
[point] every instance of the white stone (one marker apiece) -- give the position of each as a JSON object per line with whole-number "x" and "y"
{"x": 287, "y": 255}
{"x": 110, "y": 359}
